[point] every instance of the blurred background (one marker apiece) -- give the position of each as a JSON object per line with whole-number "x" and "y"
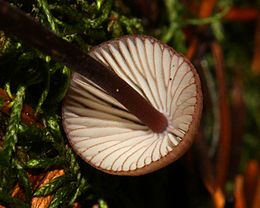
{"x": 221, "y": 169}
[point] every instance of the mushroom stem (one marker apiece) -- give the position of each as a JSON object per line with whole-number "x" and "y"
{"x": 15, "y": 22}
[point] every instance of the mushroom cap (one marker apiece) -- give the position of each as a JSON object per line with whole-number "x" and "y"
{"x": 113, "y": 140}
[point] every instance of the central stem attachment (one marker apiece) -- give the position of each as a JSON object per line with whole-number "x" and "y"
{"x": 15, "y": 22}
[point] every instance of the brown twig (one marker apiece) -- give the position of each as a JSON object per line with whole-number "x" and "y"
{"x": 204, "y": 163}
{"x": 242, "y": 14}
{"x": 256, "y": 57}
{"x": 218, "y": 198}
{"x": 239, "y": 194}
{"x": 206, "y": 8}
{"x": 192, "y": 48}
{"x": 256, "y": 200}
{"x": 223, "y": 153}
{"x": 252, "y": 175}
{"x": 238, "y": 113}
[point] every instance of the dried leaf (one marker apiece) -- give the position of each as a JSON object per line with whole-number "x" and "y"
{"x": 44, "y": 201}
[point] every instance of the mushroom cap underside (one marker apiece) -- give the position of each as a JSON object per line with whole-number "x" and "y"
{"x": 113, "y": 140}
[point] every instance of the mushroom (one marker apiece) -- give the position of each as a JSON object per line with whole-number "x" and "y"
{"x": 110, "y": 138}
